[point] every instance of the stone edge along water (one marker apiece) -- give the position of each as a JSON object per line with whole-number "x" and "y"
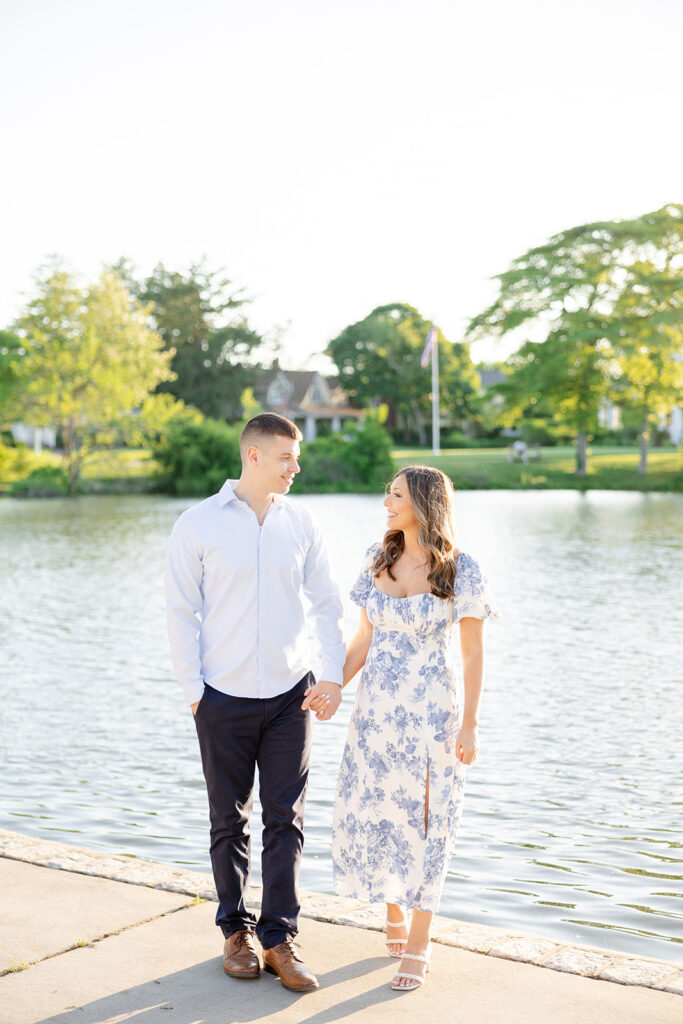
{"x": 587, "y": 961}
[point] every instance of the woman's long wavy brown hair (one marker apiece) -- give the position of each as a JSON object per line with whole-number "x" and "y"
{"x": 431, "y": 495}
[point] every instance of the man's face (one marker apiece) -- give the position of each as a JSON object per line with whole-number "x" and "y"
{"x": 278, "y": 463}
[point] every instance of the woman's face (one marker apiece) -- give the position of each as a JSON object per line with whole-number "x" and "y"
{"x": 400, "y": 514}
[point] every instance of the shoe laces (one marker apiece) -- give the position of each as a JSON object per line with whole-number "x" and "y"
{"x": 241, "y": 940}
{"x": 290, "y": 946}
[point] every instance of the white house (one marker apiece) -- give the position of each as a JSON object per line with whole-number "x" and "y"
{"x": 674, "y": 424}
{"x": 609, "y": 415}
{"x": 306, "y": 397}
{"x": 35, "y": 436}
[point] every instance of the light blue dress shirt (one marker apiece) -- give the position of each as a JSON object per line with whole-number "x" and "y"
{"x": 234, "y": 598}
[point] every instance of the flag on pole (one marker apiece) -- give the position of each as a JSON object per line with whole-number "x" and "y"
{"x": 429, "y": 345}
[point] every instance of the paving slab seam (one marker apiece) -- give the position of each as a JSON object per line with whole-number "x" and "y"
{"x": 83, "y": 944}
{"x": 587, "y": 961}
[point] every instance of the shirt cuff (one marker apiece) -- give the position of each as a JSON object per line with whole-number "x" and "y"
{"x": 333, "y": 673}
{"x": 194, "y": 690}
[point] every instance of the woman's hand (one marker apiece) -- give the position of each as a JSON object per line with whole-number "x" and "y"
{"x": 467, "y": 744}
{"x": 324, "y": 698}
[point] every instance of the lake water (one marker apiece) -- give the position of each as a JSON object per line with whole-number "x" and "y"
{"x": 572, "y": 825}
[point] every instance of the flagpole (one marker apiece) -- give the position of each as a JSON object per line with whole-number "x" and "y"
{"x": 436, "y": 430}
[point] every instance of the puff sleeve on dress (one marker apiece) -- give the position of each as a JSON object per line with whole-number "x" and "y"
{"x": 472, "y": 597}
{"x": 362, "y": 588}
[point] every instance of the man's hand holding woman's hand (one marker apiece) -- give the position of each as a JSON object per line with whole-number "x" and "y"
{"x": 324, "y": 698}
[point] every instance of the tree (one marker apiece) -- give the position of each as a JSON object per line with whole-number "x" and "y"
{"x": 90, "y": 358}
{"x": 649, "y": 353}
{"x": 378, "y": 360}
{"x": 198, "y": 316}
{"x": 649, "y": 350}
{"x": 11, "y": 352}
{"x": 564, "y": 301}
{"x": 561, "y": 379}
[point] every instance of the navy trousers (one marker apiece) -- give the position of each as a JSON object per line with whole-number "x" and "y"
{"x": 235, "y": 735}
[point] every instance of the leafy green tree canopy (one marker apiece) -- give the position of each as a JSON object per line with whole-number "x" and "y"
{"x": 200, "y": 316}
{"x": 11, "y": 353}
{"x": 378, "y": 360}
{"x": 567, "y": 303}
{"x": 89, "y": 358}
{"x": 648, "y": 355}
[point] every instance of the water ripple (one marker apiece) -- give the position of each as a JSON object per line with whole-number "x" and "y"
{"x": 572, "y": 824}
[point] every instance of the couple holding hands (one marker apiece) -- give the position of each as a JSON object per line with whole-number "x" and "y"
{"x": 238, "y": 567}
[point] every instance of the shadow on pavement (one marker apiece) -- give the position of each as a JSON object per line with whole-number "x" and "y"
{"x": 202, "y": 994}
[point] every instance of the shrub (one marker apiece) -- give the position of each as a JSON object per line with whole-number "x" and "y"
{"x": 325, "y": 468}
{"x": 456, "y": 439}
{"x": 43, "y": 482}
{"x": 197, "y": 456}
{"x": 5, "y": 455}
{"x": 356, "y": 461}
{"x": 540, "y": 431}
{"x": 675, "y": 482}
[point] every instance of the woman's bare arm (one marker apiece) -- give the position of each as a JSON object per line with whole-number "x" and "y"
{"x": 357, "y": 650}
{"x": 472, "y": 651}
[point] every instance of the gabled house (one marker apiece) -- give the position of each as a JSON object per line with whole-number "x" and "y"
{"x": 35, "y": 437}
{"x": 306, "y": 397}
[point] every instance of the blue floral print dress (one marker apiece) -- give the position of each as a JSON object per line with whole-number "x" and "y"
{"x": 403, "y": 727}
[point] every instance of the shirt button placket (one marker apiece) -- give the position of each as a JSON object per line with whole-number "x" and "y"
{"x": 259, "y": 624}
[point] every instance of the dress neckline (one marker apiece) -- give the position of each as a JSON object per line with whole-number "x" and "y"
{"x": 409, "y": 597}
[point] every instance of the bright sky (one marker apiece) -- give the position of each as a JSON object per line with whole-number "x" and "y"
{"x": 332, "y": 156}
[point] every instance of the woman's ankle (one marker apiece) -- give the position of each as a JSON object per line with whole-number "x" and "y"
{"x": 395, "y": 914}
{"x": 418, "y": 947}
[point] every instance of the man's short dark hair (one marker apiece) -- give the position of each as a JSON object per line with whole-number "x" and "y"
{"x": 268, "y": 424}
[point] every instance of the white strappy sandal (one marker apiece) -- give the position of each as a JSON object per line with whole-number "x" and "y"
{"x": 395, "y": 942}
{"x": 417, "y": 979}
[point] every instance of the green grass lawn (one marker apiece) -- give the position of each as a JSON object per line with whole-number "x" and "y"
{"x": 609, "y": 468}
{"x": 120, "y": 464}
{"x": 124, "y": 470}
{"x": 134, "y": 470}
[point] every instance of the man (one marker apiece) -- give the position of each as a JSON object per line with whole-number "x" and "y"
{"x": 238, "y": 566}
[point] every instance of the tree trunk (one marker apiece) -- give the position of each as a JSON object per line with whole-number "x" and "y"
{"x": 581, "y": 453}
{"x": 644, "y": 444}
{"x": 72, "y": 461}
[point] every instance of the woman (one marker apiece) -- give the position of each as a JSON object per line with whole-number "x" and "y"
{"x": 400, "y": 784}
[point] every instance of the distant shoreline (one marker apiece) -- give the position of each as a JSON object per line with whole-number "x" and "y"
{"x": 610, "y": 468}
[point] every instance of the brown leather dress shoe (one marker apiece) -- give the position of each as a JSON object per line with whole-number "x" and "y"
{"x": 239, "y": 956}
{"x": 284, "y": 961}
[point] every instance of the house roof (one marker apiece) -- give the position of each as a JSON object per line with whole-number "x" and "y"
{"x": 301, "y": 381}
{"x": 489, "y": 377}
{"x": 328, "y": 411}
{"x": 299, "y": 401}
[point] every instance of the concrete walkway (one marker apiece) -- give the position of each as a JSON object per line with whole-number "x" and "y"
{"x": 84, "y": 948}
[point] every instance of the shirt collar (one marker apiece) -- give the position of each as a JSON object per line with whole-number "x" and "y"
{"x": 227, "y": 494}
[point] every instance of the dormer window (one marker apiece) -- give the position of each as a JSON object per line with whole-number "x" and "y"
{"x": 278, "y": 391}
